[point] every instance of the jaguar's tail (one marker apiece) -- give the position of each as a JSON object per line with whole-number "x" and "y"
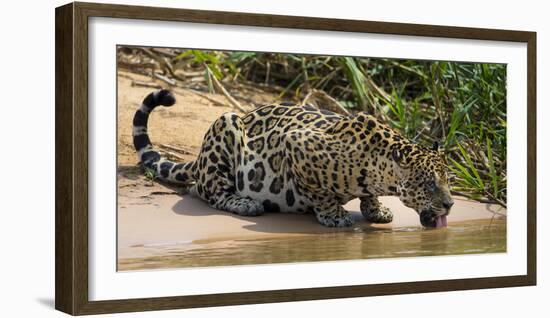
{"x": 149, "y": 157}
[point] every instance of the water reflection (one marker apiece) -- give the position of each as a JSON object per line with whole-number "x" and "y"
{"x": 472, "y": 237}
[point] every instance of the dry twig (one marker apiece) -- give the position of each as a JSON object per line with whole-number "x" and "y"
{"x": 178, "y": 149}
{"x": 325, "y": 101}
{"x": 165, "y": 79}
{"x": 225, "y": 93}
{"x": 213, "y": 100}
{"x": 170, "y": 154}
{"x": 490, "y": 200}
{"x": 146, "y": 84}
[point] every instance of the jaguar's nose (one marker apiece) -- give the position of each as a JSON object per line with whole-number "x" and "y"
{"x": 447, "y": 205}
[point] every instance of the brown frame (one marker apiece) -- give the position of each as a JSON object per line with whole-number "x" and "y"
{"x": 71, "y": 166}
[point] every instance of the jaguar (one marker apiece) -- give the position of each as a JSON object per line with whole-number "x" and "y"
{"x": 300, "y": 159}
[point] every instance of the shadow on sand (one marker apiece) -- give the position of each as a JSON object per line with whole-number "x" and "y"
{"x": 269, "y": 222}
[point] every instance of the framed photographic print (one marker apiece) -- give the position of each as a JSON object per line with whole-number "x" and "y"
{"x": 219, "y": 158}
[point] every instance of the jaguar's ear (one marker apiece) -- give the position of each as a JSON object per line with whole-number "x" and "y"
{"x": 435, "y": 146}
{"x": 398, "y": 157}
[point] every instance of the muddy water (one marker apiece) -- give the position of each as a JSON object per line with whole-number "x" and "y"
{"x": 471, "y": 237}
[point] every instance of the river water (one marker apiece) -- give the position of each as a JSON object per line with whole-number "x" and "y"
{"x": 469, "y": 237}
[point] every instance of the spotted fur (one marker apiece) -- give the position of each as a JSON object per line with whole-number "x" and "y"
{"x": 300, "y": 159}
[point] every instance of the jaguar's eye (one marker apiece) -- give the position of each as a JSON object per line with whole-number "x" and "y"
{"x": 430, "y": 185}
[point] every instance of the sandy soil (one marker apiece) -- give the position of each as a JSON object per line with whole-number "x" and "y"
{"x": 151, "y": 214}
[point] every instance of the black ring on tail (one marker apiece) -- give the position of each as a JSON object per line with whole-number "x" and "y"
{"x": 147, "y": 155}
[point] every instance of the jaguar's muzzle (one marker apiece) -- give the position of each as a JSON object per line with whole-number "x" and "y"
{"x": 431, "y": 220}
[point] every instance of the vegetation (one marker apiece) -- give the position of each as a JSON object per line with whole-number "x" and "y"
{"x": 460, "y": 105}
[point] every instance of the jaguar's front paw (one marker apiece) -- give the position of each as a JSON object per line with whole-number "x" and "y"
{"x": 337, "y": 219}
{"x": 381, "y": 214}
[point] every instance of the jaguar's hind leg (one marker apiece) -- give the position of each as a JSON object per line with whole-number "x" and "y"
{"x": 374, "y": 211}
{"x": 231, "y": 202}
{"x": 234, "y": 203}
{"x": 221, "y": 154}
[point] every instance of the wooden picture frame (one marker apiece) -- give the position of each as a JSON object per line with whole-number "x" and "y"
{"x": 71, "y": 121}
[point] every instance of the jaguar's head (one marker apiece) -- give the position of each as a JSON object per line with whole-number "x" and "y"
{"x": 422, "y": 183}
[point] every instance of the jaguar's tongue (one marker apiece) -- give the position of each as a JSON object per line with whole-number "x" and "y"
{"x": 441, "y": 221}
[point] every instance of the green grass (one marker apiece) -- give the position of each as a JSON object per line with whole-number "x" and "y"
{"x": 149, "y": 174}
